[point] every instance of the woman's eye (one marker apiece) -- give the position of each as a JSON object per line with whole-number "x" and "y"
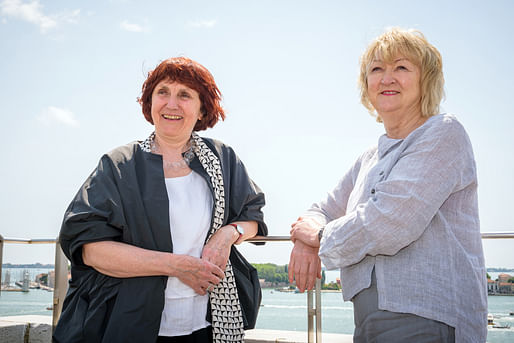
{"x": 162, "y": 92}
{"x": 374, "y": 69}
{"x": 401, "y": 68}
{"x": 184, "y": 95}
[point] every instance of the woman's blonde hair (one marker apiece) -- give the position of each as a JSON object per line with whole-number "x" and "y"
{"x": 412, "y": 45}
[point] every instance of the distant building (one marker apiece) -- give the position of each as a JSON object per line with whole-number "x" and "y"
{"x": 492, "y": 287}
{"x": 500, "y": 286}
{"x": 504, "y": 277}
{"x": 264, "y": 283}
{"x": 7, "y": 279}
{"x": 51, "y": 279}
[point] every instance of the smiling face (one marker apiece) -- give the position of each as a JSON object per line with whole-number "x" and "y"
{"x": 175, "y": 110}
{"x": 394, "y": 88}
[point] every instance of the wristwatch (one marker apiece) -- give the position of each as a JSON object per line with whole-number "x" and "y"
{"x": 320, "y": 233}
{"x": 240, "y": 230}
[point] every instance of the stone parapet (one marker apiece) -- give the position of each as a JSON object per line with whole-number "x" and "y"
{"x": 38, "y": 329}
{"x": 23, "y": 329}
{"x": 274, "y": 336}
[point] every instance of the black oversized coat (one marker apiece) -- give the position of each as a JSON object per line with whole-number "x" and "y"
{"x": 125, "y": 199}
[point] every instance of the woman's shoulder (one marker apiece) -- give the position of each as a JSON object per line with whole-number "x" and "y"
{"x": 438, "y": 129}
{"x": 123, "y": 153}
{"x": 215, "y": 142}
{"x": 442, "y": 133}
{"x": 220, "y": 147}
{"x": 445, "y": 122}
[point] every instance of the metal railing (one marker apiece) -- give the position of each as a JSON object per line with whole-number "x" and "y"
{"x": 61, "y": 271}
{"x": 313, "y": 308}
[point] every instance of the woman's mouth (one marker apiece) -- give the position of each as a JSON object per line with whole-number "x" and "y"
{"x": 389, "y": 92}
{"x": 171, "y": 117}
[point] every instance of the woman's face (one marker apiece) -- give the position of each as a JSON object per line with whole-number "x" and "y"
{"x": 394, "y": 88}
{"x": 175, "y": 110}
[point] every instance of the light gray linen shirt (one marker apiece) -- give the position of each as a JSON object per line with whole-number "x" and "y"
{"x": 409, "y": 208}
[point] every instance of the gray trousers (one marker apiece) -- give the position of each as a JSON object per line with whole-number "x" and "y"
{"x": 377, "y": 326}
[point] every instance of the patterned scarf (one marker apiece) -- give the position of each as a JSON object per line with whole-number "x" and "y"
{"x": 227, "y": 318}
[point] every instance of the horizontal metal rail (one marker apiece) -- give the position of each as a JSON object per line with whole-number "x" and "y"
{"x": 28, "y": 241}
{"x": 497, "y": 235}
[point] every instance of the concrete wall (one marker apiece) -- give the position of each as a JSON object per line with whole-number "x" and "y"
{"x": 38, "y": 329}
{"x": 275, "y": 336}
{"x": 23, "y": 329}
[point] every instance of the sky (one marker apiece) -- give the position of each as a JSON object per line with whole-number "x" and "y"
{"x": 71, "y": 71}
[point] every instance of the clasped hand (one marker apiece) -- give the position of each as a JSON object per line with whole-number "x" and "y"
{"x": 210, "y": 268}
{"x": 304, "y": 262}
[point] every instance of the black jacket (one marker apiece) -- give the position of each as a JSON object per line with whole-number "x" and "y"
{"x": 125, "y": 199}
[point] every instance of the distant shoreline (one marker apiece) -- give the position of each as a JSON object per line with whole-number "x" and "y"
{"x": 31, "y": 265}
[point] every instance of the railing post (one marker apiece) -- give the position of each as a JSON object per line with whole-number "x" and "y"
{"x": 310, "y": 317}
{"x": 61, "y": 283}
{"x": 1, "y": 260}
{"x": 318, "y": 311}
{"x": 314, "y": 312}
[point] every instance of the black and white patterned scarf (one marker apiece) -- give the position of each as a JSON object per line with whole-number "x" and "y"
{"x": 227, "y": 317}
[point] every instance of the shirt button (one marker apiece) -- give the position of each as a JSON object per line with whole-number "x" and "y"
{"x": 381, "y": 173}
{"x": 373, "y": 191}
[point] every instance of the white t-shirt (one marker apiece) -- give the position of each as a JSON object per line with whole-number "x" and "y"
{"x": 190, "y": 211}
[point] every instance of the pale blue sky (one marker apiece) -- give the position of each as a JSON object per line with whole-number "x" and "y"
{"x": 71, "y": 70}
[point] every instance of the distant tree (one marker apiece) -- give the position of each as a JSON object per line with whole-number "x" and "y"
{"x": 271, "y": 272}
{"x": 323, "y": 278}
{"x": 511, "y": 280}
{"x": 331, "y": 286}
{"x": 488, "y": 276}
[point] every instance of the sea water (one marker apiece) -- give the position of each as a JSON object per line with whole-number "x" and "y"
{"x": 288, "y": 311}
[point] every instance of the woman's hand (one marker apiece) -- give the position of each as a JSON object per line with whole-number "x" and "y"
{"x": 304, "y": 266}
{"x": 199, "y": 274}
{"x": 124, "y": 260}
{"x": 217, "y": 249}
{"x": 306, "y": 230}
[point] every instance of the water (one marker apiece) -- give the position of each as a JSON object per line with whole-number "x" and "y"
{"x": 279, "y": 311}
{"x": 288, "y": 311}
{"x": 34, "y": 302}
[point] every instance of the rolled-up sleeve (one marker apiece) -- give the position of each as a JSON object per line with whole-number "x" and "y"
{"x": 245, "y": 198}
{"x": 95, "y": 214}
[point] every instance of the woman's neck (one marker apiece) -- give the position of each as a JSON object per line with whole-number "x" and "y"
{"x": 400, "y": 126}
{"x": 171, "y": 148}
{"x": 174, "y": 163}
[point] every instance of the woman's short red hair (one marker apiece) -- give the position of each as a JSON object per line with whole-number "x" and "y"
{"x": 193, "y": 75}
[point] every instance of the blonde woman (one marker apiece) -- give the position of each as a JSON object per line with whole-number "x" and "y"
{"x": 402, "y": 224}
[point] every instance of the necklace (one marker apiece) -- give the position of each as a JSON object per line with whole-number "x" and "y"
{"x": 187, "y": 156}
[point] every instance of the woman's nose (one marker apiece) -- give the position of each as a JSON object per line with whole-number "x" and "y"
{"x": 172, "y": 102}
{"x": 387, "y": 78}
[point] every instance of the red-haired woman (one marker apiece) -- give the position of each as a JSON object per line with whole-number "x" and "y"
{"x": 150, "y": 232}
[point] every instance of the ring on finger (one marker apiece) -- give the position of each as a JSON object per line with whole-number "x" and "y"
{"x": 209, "y": 287}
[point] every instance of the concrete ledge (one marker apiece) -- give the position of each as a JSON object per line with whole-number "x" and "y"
{"x": 22, "y": 329}
{"x": 38, "y": 329}
{"x": 273, "y": 336}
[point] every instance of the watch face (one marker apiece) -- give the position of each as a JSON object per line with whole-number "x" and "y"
{"x": 240, "y": 229}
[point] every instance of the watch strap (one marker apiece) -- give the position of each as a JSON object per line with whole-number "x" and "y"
{"x": 238, "y": 228}
{"x": 320, "y": 233}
